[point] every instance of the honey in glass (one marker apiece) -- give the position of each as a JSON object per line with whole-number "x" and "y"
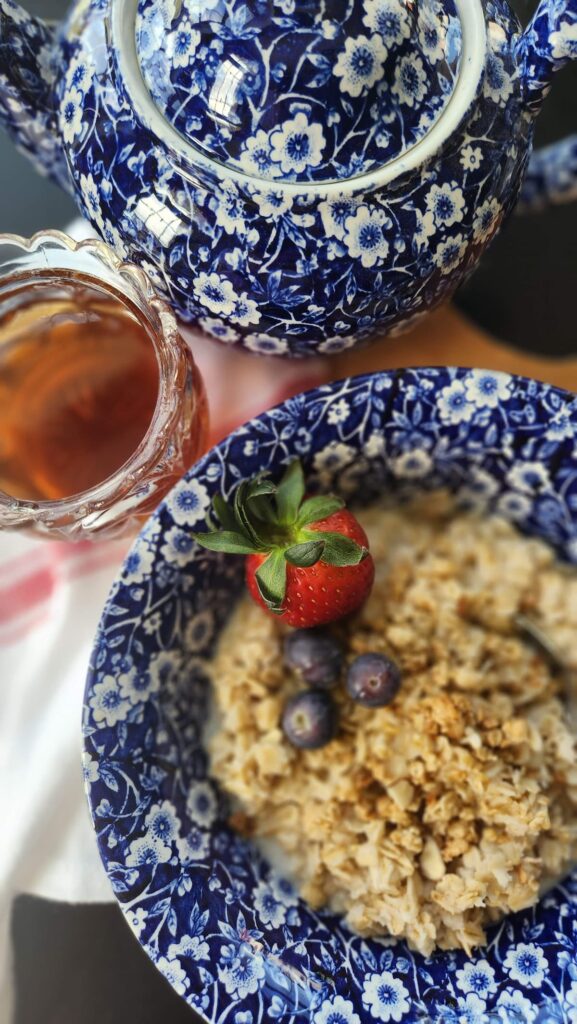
{"x": 78, "y": 388}
{"x": 102, "y": 408}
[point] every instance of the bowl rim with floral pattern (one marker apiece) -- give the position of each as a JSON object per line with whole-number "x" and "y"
{"x": 228, "y": 932}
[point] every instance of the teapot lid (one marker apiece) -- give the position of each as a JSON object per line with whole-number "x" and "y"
{"x": 300, "y": 90}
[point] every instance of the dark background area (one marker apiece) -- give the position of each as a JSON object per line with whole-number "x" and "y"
{"x": 80, "y": 965}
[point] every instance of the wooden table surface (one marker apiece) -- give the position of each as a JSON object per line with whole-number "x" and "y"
{"x": 448, "y": 338}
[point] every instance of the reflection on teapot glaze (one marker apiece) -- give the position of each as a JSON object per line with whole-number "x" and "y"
{"x": 264, "y": 260}
{"x": 317, "y": 92}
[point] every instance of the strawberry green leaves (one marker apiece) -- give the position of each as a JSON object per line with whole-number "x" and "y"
{"x": 339, "y": 550}
{"x": 271, "y": 581}
{"x": 224, "y": 514}
{"x": 290, "y": 493}
{"x": 276, "y": 520}
{"x": 306, "y": 558}
{"x": 314, "y": 509}
{"x": 305, "y": 555}
{"x": 231, "y": 541}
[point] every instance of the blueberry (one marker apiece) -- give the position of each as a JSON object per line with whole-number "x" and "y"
{"x": 315, "y": 655}
{"x": 310, "y": 719}
{"x": 373, "y": 680}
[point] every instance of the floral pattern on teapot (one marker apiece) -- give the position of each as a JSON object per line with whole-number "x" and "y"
{"x": 289, "y": 273}
{"x": 285, "y": 267}
{"x": 307, "y": 92}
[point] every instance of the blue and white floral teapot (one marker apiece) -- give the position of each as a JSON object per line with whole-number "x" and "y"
{"x": 295, "y": 175}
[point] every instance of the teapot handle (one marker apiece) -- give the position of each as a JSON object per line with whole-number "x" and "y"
{"x": 546, "y": 46}
{"x": 551, "y": 177}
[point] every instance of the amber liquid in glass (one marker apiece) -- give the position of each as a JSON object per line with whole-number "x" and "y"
{"x": 79, "y": 383}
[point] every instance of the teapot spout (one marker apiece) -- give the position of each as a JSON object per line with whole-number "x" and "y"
{"x": 547, "y": 45}
{"x": 27, "y": 110}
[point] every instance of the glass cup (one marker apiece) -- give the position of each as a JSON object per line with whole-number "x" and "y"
{"x": 80, "y": 327}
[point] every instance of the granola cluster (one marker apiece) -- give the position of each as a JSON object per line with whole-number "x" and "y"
{"x": 432, "y": 817}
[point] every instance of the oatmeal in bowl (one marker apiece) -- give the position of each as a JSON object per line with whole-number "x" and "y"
{"x": 415, "y": 830}
{"x": 433, "y": 816}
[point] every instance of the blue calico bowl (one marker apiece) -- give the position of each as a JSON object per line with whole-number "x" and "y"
{"x": 228, "y": 933}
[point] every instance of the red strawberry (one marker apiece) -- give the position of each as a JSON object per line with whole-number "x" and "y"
{"x": 321, "y": 593}
{"x": 308, "y": 560}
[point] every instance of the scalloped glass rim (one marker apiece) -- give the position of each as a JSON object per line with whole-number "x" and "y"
{"x": 122, "y": 23}
{"x": 163, "y": 333}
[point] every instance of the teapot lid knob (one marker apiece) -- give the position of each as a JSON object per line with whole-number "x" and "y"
{"x": 300, "y": 90}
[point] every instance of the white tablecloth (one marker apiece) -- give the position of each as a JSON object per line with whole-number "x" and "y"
{"x": 51, "y": 596}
